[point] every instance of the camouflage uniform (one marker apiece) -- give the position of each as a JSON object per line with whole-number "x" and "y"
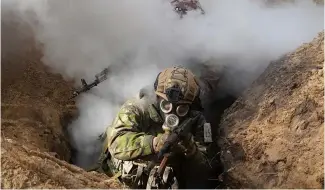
{"x": 129, "y": 141}
{"x": 130, "y": 138}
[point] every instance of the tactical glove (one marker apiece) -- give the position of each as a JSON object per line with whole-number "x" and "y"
{"x": 159, "y": 141}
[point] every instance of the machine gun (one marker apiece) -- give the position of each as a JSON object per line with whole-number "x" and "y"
{"x": 100, "y": 77}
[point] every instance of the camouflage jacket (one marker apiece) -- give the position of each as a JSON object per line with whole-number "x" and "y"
{"x": 131, "y": 134}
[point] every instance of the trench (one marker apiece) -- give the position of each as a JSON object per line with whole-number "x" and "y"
{"x": 213, "y": 113}
{"x": 78, "y": 157}
{"x": 66, "y": 119}
{"x": 215, "y": 103}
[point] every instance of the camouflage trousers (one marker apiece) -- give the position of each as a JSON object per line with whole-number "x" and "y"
{"x": 133, "y": 173}
{"x": 185, "y": 173}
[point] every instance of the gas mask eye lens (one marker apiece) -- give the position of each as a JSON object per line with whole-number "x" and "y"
{"x": 166, "y": 106}
{"x": 182, "y": 110}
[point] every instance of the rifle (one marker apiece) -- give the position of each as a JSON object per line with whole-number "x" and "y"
{"x": 100, "y": 77}
{"x": 174, "y": 137}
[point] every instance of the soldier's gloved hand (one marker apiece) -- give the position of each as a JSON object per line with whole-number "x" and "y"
{"x": 159, "y": 141}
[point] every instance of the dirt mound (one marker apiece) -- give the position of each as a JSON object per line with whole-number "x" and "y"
{"x": 34, "y": 146}
{"x": 274, "y": 133}
{"x": 26, "y": 168}
{"x": 32, "y": 98}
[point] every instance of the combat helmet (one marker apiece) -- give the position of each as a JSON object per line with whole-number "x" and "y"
{"x": 177, "y": 85}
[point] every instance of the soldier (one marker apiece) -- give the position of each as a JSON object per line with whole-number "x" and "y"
{"x": 137, "y": 133}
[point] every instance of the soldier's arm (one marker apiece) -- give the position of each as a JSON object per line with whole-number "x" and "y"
{"x": 126, "y": 141}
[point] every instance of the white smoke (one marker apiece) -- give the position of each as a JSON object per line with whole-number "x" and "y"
{"x": 139, "y": 38}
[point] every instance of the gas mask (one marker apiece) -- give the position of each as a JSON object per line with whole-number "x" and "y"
{"x": 173, "y": 113}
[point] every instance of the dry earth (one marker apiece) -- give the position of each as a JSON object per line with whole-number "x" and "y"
{"x": 274, "y": 133}
{"x": 23, "y": 167}
{"x": 33, "y": 104}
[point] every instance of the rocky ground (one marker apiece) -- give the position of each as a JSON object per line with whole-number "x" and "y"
{"x": 273, "y": 136}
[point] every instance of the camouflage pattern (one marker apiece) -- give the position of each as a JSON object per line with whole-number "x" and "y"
{"x": 181, "y": 77}
{"x": 131, "y": 134}
{"x": 130, "y": 138}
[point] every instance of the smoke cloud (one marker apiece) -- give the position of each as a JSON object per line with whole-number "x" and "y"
{"x": 137, "y": 39}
